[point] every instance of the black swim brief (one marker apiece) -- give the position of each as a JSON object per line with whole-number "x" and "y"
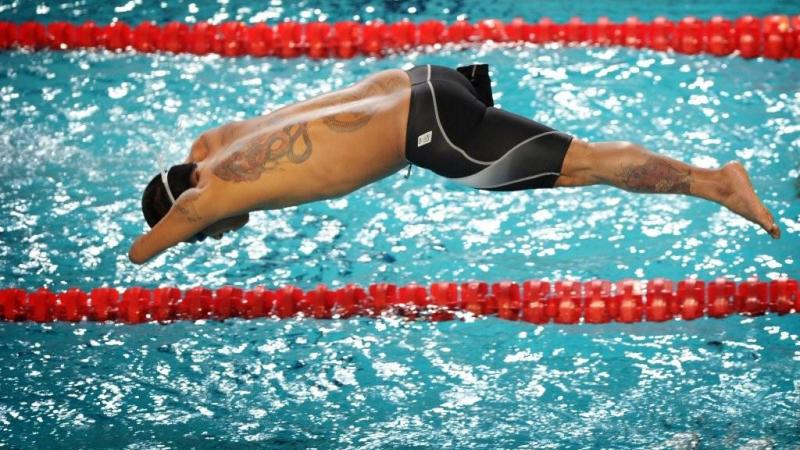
{"x": 454, "y": 130}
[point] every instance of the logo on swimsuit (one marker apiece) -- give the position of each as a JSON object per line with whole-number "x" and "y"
{"x": 424, "y": 138}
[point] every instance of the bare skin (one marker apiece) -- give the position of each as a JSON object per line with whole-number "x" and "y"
{"x": 633, "y": 168}
{"x": 336, "y": 143}
{"x": 321, "y": 148}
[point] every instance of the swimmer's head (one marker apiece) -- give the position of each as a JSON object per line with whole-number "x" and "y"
{"x": 155, "y": 200}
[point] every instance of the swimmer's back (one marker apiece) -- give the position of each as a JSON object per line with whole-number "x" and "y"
{"x": 322, "y": 147}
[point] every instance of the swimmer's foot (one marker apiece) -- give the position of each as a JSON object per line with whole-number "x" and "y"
{"x": 737, "y": 194}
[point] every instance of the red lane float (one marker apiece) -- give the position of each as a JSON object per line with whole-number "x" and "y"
{"x": 775, "y": 36}
{"x": 534, "y": 301}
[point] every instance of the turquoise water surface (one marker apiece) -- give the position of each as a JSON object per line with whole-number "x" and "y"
{"x": 80, "y": 133}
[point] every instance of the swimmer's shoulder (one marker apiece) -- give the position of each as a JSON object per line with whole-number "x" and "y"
{"x": 209, "y": 142}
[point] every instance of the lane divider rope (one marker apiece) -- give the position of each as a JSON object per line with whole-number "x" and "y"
{"x": 538, "y": 302}
{"x": 774, "y": 37}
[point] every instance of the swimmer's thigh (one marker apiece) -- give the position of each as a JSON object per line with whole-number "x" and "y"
{"x": 524, "y": 153}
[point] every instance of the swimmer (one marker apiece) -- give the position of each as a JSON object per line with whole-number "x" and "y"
{"x": 429, "y": 116}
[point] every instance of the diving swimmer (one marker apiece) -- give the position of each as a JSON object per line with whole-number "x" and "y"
{"x": 430, "y": 116}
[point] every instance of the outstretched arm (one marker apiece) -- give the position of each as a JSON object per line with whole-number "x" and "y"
{"x": 191, "y": 214}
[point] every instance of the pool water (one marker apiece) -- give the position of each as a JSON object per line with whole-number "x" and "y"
{"x": 374, "y": 384}
{"x": 80, "y": 134}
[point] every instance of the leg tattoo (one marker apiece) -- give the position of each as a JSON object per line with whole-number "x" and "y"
{"x": 656, "y": 175}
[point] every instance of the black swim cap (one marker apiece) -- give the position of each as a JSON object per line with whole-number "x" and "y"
{"x": 155, "y": 200}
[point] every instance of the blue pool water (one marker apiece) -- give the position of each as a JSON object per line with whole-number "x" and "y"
{"x": 80, "y": 133}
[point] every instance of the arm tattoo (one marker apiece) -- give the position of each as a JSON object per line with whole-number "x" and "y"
{"x": 656, "y": 175}
{"x": 189, "y": 211}
{"x": 263, "y": 151}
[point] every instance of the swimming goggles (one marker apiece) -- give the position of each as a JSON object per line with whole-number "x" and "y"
{"x": 199, "y": 237}
{"x": 164, "y": 179}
